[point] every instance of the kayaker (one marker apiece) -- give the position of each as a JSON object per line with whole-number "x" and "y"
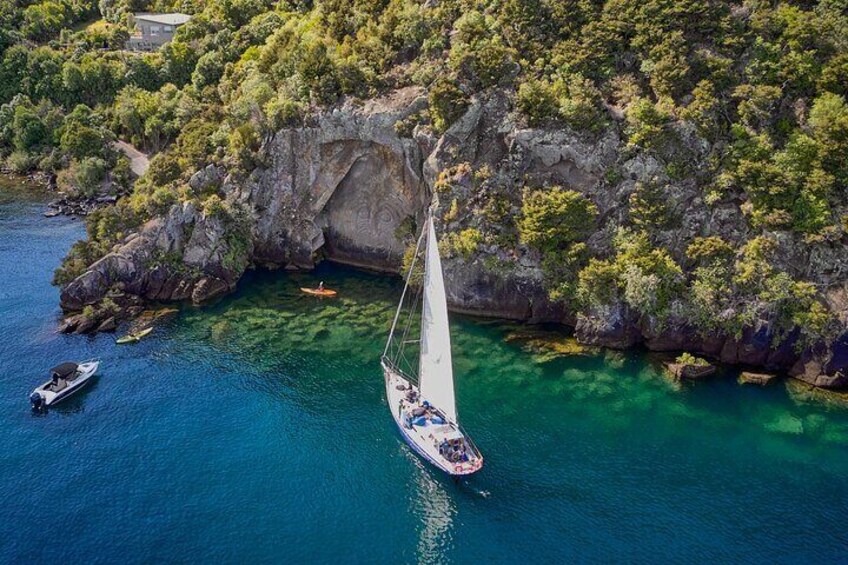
{"x": 321, "y": 286}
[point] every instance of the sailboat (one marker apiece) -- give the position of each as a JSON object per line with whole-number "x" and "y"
{"x": 425, "y": 408}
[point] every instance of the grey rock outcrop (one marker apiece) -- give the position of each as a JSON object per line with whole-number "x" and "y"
{"x": 344, "y": 184}
{"x": 175, "y": 257}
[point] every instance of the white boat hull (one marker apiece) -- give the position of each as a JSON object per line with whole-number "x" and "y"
{"x": 85, "y": 372}
{"x": 420, "y": 438}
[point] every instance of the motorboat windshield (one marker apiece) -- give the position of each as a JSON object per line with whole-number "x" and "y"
{"x": 64, "y": 370}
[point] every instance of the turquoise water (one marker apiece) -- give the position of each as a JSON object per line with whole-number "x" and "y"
{"x": 255, "y": 429}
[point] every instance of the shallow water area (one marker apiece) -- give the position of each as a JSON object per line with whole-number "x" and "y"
{"x": 254, "y": 429}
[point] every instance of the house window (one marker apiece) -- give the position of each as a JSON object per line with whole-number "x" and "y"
{"x": 154, "y": 30}
{"x": 168, "y": 29}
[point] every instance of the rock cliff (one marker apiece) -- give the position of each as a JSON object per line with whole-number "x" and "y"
{"x": 347, "y": 186}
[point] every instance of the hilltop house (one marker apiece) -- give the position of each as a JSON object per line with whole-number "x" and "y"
{"x": 154, "y": 30}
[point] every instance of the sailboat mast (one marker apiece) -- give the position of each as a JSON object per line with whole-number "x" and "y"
{"x": 405, "y": 287}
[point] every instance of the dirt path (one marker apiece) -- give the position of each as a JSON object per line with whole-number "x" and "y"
{"x": 139, "y": 162}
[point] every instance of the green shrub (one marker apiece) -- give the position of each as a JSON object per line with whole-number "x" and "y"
{"x": 709, "y": 249}
{"x": 82, "y": 255}
{"x": 705, "y": 110}
{"x": 648, "y": 207}
{"x": 90, "y": 175}
{"x": 478, "y": 54}
{"x": 213, "y": 207}
{"x": 121, "y": 174}
{"x": 789, "y": 188}
{"x": 416, "y": 276}
{"x": 83, "y": 178}
{"x": 598, "y": 284}
{"x": 20, "y": 162}
{"x": 537, "y": 100}
{"x": 283, "y": 112}
{"x": 646, "y": 278}
{"x": 554, "y": 218}
{"x": 463, "y": 244}
{"x": 244, "y": 144}
{"x": 447, "y": 104}
{"x": 687, "y": 358}
{"x": 560, "y": 269}
{"x": 80, "y": 141}
{"x": 580, "y": 104}
{"x": 647, "y": 124}
{"x": 575, "y": 101}
{"x": 164, "y": 168}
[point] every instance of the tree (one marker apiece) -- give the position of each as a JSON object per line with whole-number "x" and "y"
{"x": 647, "y": 123}
{"x": 209, "y": 69}
{"x": 644, "y": 277}
{"x": 12, "y": 71}
{"x": 83, "y": 177}
{"x": 580, "y": 103}
{"x": 179, "y": 61}
{"x": 553, "y": 219}
{"x": 145, "y": 71}
{"x": 704, "y": 110}
{"x": 81, "y": 141}
{"x": 30, "y": 133}
{"x": 42, "y": 21}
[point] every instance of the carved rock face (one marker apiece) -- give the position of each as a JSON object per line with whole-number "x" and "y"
{"x": 362, "y": 218}
{"x": 344, "y": 185}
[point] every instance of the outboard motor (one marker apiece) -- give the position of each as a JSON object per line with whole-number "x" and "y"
{"x": 37, "y": 401}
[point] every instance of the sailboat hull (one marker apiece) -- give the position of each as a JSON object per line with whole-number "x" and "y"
{"x": 424, "y": 439}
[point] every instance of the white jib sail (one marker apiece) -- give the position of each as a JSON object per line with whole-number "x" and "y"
{"x": 435, "y": 366}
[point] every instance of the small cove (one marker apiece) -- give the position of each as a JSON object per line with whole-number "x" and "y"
{"x": 254, "y": 429}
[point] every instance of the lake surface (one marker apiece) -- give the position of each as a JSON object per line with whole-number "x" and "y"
{"x": 255, "y": 429}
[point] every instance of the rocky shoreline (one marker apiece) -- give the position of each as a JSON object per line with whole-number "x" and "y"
{"x": 346, "y": 186}
{"x": 64, "y": 205}
{"x": 67, "y": 206}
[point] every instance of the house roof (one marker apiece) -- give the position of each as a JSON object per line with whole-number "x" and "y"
{"x": 176, "y": 19}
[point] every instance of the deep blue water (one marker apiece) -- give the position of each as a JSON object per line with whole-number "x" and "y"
{"x": 255, "y": 430}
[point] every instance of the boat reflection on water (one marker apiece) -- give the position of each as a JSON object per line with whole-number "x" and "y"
{"x": 432, "y": 502}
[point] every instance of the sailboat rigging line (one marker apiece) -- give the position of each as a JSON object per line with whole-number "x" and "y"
{"x": 408, "y": 325}
{"x": 405, "y": 286}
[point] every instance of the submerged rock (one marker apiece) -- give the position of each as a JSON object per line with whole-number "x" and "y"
{"x": 803, "y": 392}
{"x": 548, "y": 345}
{"x": 762, "y": 379}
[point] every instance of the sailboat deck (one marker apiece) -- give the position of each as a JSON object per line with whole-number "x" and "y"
{"x": 426, "y": 437}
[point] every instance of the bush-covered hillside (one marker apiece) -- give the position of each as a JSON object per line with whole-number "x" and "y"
{"x": 761, "y": 85}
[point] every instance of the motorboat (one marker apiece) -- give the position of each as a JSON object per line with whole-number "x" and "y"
{"x": 65, "y": 380}
{"x": 421, "y": 395}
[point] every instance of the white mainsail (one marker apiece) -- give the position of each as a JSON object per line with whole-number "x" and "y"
{"x": 435, "y": 371}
